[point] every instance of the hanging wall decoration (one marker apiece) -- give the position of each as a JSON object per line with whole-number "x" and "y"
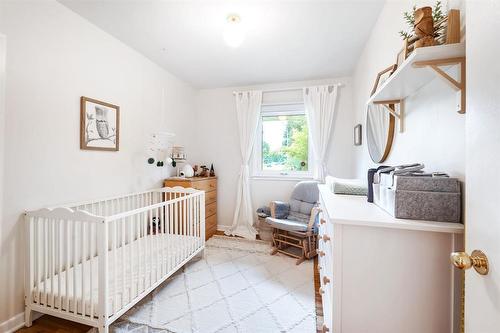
{"x": 99, "y": 125}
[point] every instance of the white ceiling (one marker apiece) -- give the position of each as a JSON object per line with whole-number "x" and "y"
{"x": 285, "y": 40}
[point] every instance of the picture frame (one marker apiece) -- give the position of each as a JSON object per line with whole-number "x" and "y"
{"x": 382, "y": 76}
{"x": 99, "y": 125}
{"x": 358, "y": 135}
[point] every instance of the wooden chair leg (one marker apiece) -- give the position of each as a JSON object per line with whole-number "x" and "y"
{"x": 300, "y": 260}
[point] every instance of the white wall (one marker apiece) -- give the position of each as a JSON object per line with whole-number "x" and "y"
{"x": 53, "y": 57}
{"x": 434, "y": 131}
{"x": 2, "y": 116}
{"x": 219, "y": 142}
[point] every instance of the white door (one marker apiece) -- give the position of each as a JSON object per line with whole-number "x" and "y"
{"x": 482, "y": 292}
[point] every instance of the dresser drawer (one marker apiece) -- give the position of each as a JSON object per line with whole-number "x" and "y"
{"x": 210, "y": 209}
{"x": 210, "y": 226}
{"x": 205, "y": 185}
{"x": 210, "y": 197}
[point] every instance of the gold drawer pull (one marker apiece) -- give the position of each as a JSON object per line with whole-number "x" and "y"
{"x": 326, "y": 280}
{"x": 322, "y": 221}
{"x": 326, "y": 238}
{"x": 321, "y": 253}
{"x": 325, "y": 329}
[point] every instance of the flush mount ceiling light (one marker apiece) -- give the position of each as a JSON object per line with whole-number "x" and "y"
{"x": 233, "y": 31}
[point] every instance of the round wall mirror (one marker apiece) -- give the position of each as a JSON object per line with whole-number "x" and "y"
{"x": 379, "y": 131}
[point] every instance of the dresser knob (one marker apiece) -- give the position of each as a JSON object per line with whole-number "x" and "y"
{"x": 325, "y": 329}
{"x": 319, "y": 267}
{"x": 322, "y": 221}
{"x": 321, "y": 253}
{"x": 321, "y": 291}
{"x": 326, "y": 280}
{"x": 326, "y": 238}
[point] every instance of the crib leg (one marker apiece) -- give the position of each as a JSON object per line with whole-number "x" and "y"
{"x": 28, "y": 317}
{"x": 104, "y": 329}
{"x": 201, "y": 254}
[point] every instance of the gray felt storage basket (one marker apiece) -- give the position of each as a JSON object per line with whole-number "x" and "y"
{"x": 428, "y": 198}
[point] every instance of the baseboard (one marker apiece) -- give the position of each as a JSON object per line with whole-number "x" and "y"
{"x": 17, "y": 322}
{"x": 223, "y": 227}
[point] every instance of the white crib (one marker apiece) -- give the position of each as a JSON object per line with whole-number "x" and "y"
{"x": 91, "y": 262}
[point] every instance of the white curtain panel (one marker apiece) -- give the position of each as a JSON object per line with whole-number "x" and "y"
{"x": 320, "y": 104}
{"x": 248, "y": 105}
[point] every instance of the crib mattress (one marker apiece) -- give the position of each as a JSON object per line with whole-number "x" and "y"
{"x": 124, "y": 283}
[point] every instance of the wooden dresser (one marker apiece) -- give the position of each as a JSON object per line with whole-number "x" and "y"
{"x": 382, "y": 274}
{"x": 207, "y": 184}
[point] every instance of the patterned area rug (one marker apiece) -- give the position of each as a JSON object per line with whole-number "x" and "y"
{"x": 237, "y": 287}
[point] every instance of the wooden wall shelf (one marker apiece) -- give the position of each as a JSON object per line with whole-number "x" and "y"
{"x": 420, "y": 68}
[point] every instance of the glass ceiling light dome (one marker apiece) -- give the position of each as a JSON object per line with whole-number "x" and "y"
{"x": 233, "y": 32}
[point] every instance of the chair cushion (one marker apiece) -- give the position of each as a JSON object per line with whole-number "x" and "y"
{"x": 288, "y": 225}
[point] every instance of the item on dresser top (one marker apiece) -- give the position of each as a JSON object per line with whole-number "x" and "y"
{"x": 349, "y": 187}
{"x": 420, "y": 197}
{"x": 386, "y": 174}
{"x": 371, "y": 174}
{"x": 346, "y": 186}
{"x": 212, "y": 171}
{"x": 187, "y": 171}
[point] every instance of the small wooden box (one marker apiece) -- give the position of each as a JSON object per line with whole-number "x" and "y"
{"x": 207, "y": 184}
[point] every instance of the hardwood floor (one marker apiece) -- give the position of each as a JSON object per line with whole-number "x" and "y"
{"x": 48, "y": 324}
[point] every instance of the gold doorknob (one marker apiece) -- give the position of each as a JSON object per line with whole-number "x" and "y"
{"x": 477, "y": 259}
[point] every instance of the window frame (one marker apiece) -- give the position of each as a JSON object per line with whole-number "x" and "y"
{"x": 279, "y": 109}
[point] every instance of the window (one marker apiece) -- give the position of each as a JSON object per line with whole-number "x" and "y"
{"x": 282, "y": 146}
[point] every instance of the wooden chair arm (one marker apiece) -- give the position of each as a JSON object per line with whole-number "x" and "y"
{"x": 314, "y": 212}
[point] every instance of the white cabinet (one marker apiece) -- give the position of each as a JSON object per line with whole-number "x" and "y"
{"x": 385, "y": 275}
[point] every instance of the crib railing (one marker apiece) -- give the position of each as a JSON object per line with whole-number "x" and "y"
{"x": 90, "y": 263}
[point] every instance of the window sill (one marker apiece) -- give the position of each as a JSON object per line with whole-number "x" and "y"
{"x": 281, "y": 178}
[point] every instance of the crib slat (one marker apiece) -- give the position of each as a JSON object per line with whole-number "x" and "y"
{"x": 91, "y": 269}
{"x": 115, "y": 268}
{"x": 83, "y": 264}
{"x": 67, "y": 261}
{"x": 176, "y": 223}
{"x": 74, "y": 299}
{"x": 150, "y": 242}
{"x": 164, "y": 235}
{"x": 131, "y": 260}
{"x": 143, "y": 253}
{"x": 184, "y": 224}
{"x": 45, "y": 261}
{"x": 122, "y": 227}
{"x": 59, "y": 263}
{"x": 36, "y": 261}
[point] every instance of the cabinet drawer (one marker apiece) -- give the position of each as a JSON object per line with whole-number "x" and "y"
{"x": 210, "y": 226}
{"x": 211, "y": 221}
{"x": 210, "y": 209}
{"x": 205, "y": 185}
{"x": 210, "y": 197}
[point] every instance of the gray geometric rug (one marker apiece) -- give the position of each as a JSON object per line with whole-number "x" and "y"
{"x": 237, "y": 287}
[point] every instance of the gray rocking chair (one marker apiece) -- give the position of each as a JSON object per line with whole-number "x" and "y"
{"x": 295, "y": 223}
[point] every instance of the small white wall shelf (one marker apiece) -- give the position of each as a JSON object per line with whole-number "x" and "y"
{"x": 421, "y": 67}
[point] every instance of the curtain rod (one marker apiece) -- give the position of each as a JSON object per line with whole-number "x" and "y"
{"x": 290, "y": 89}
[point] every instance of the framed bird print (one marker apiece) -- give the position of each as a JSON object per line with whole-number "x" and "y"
{"x": 99, "y": 125}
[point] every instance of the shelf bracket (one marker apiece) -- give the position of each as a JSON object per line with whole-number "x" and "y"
{"x": 458, "y": 86}
{"x": 390, "y": 106}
